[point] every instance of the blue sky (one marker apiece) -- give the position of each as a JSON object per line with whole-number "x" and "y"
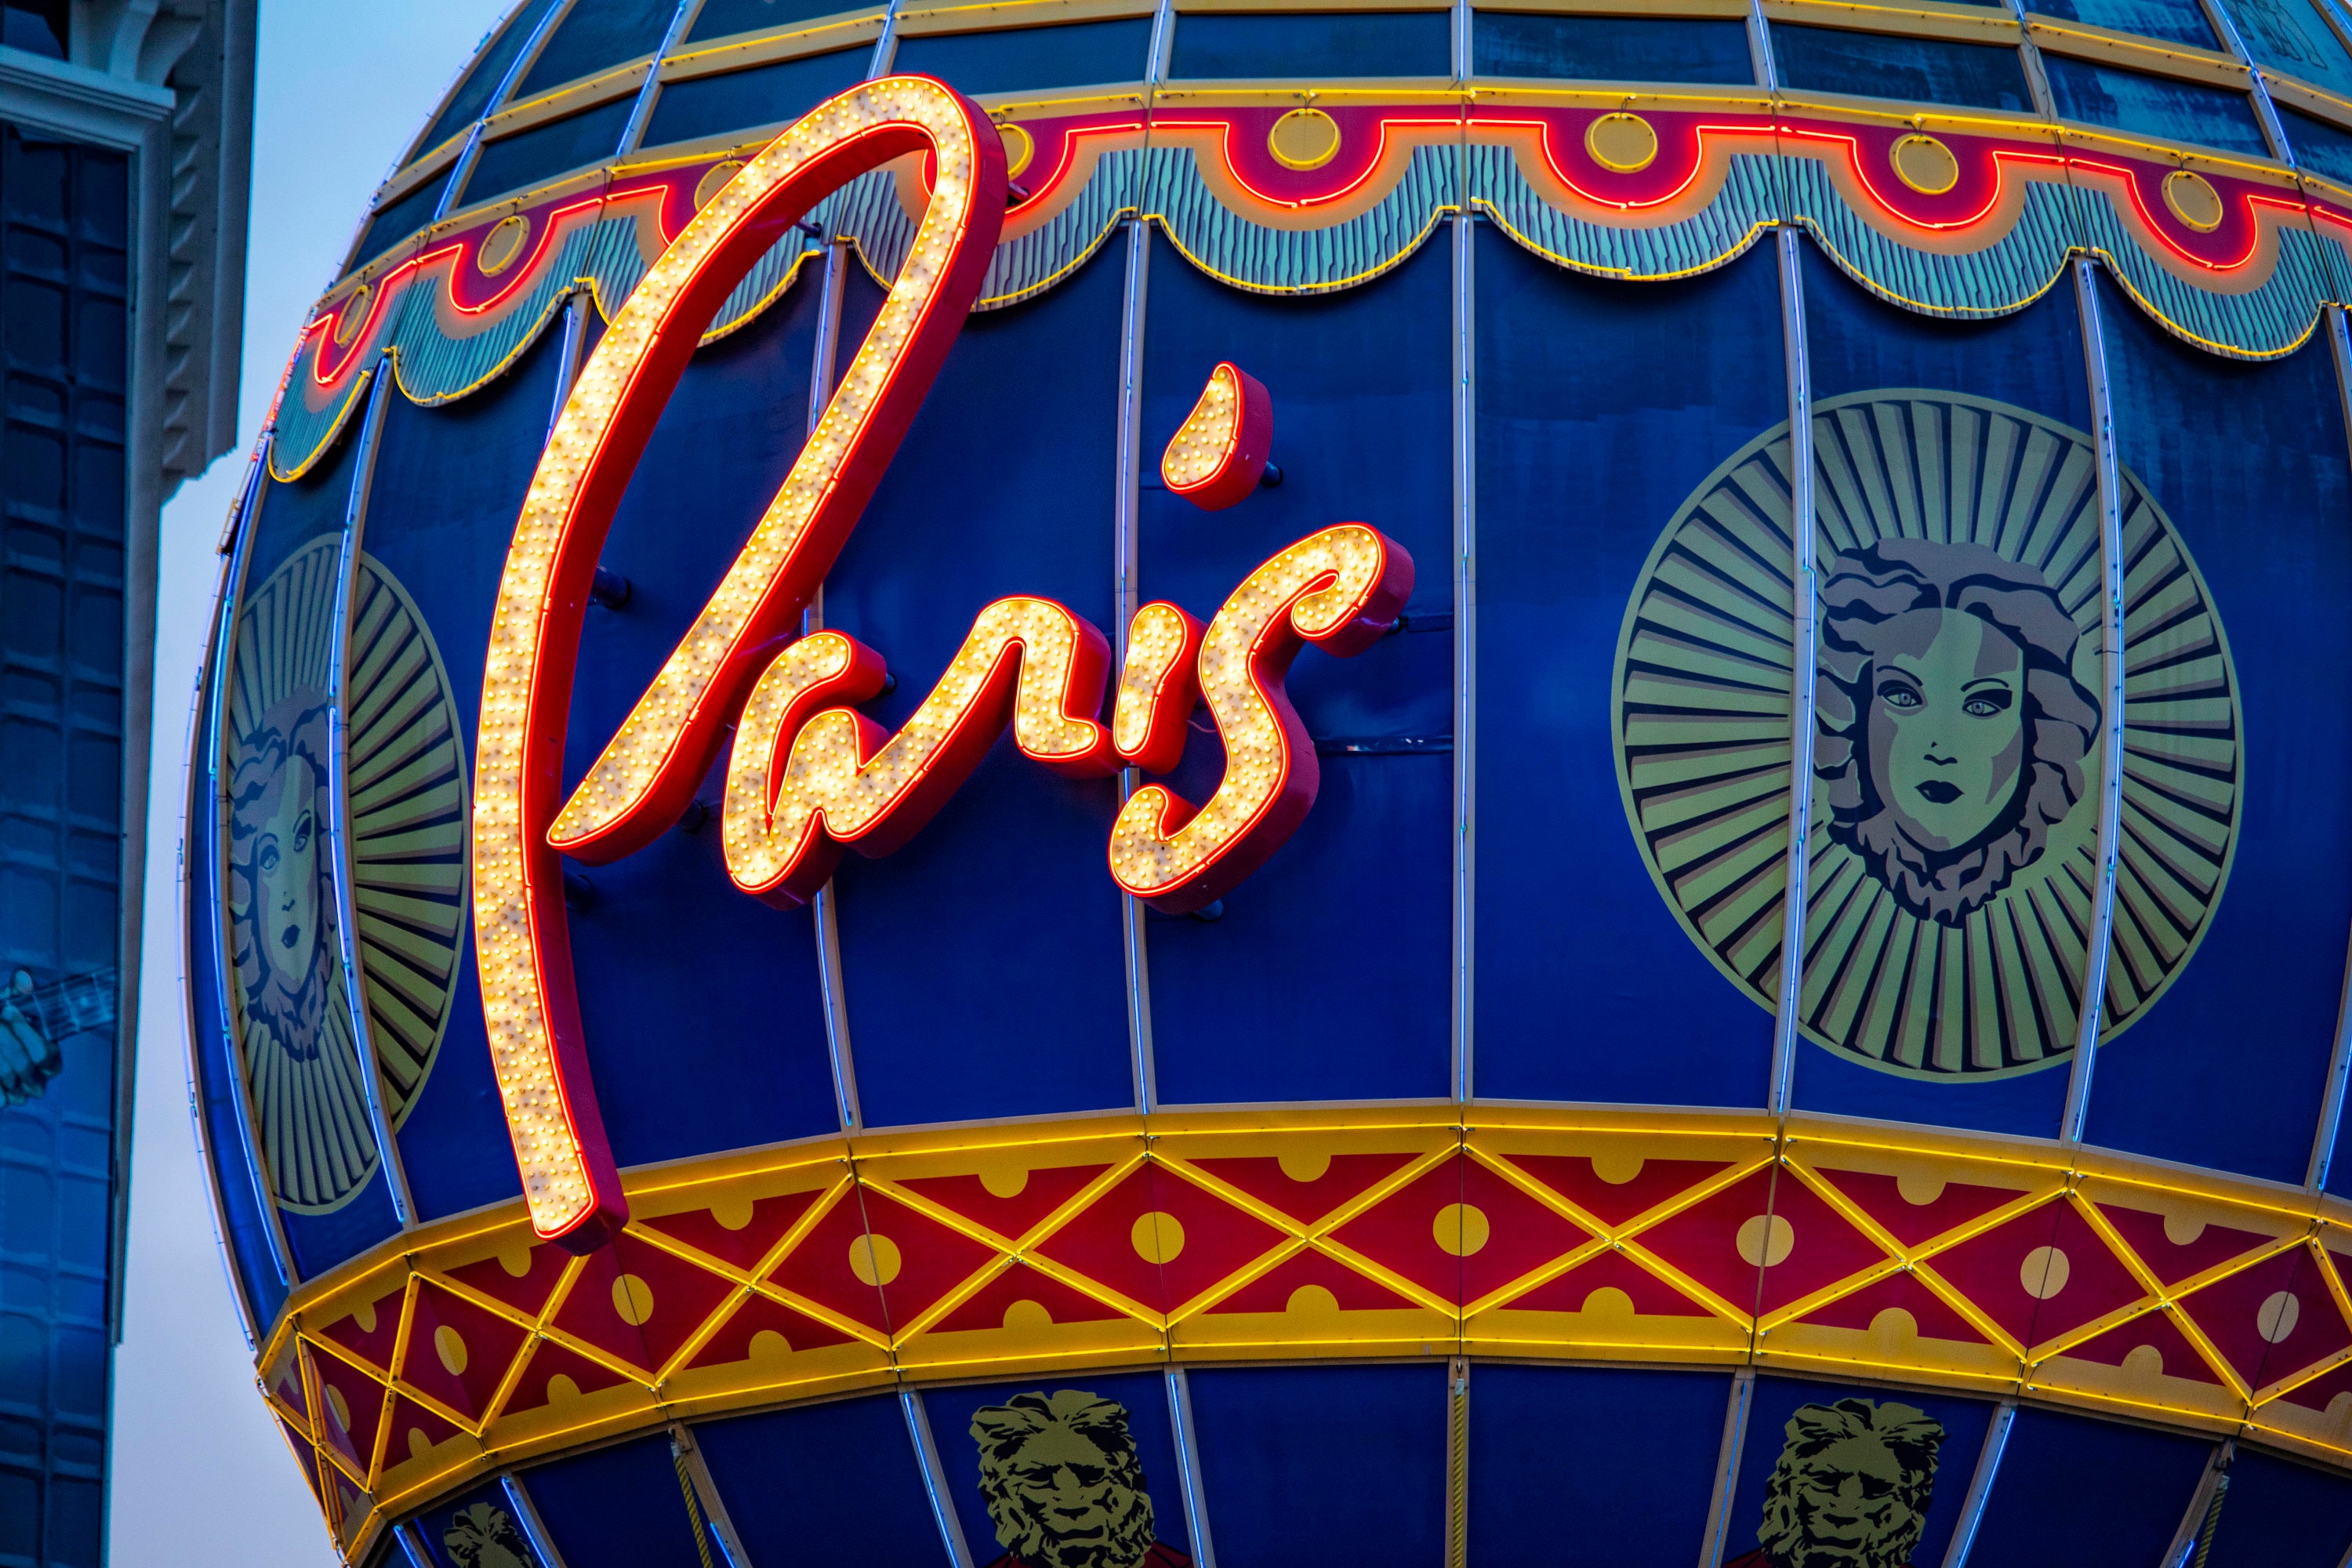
{"x": 201, "y": 1477}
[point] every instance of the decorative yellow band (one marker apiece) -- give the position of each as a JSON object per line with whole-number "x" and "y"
{"x": 2069, "y": 1276}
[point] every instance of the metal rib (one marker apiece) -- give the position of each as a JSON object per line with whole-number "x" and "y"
{"x": 1188, "y": 1468}
{"x": 1804, "y": 660}
{"x": 338, "y": 804}
{"x": 1128, "y": 598}
{"x": 1726, "y": 1469}
{"x": 1972, "y": 1508}
{"x": 526, "y": 1518}
{"x": 634, "y": 134}
{"x": 825, "y": 909}
{"x": 1465, "y": 651}
{"x": 2331, "y": 1103}
{"x": 2111, "y": 662}
{"x": 215, "y": 742}
{"x": 462, "y": 169}
{"x": 935, "y": 1480}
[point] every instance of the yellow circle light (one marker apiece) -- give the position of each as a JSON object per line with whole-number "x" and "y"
{"x": 1304, "y": 139}
{"x": 1020, "y": 147}
{"x": 1461, "y": 1228}
{"x": 2193, "y": 200}
{"x": 503, "y": 243}
{"x": 1624, "y": 143}
{"x": 1925, "y": 165}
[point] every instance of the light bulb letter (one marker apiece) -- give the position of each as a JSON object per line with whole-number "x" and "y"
{"x": 1342, "y": 590}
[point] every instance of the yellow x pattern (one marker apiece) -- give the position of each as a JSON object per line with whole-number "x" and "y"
{"x": 1417, "y": 1141}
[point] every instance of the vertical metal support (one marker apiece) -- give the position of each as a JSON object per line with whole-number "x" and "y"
{"x": 1465, "y": 655}
{"x": 339, "y": 802}
{"x": 2037, "y": 80}
{"x": 1804, "y": 660}
{"x": 1163, "y": 44}
{"x": 2225, "y": 28}
{"x": 885, "y": 48}
{"x": 1126, "y": 595}
{"x": 2111, "y": 664}
{"x": 1726, "y": 1469}
{"x": 567, "y": 361}
{"x": 2331, "y": 1102}
{"x": 2196, "y": 1518}
{"x": 1461, "y": 34}
{"x": 1188, "y": 1468}
{"x": 1759, "y": 47}
{"x": 527, "y": 1520}
{"x": 216, "y": 875}
{"x": 1457, "y": 1463}
{"x": 193, "y": 885}
{"x": 1972, "y": 1508}
{"x": 634, "y": 134}
{"x": 462, "y": 169}
{"x": 412, "y": 1548}
{"x": 934, "y": 1482}
{"x": 690, "y": 1462}
{"x": 825, "y": 909}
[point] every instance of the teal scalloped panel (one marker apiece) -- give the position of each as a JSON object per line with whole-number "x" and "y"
{"x": 2273, "y": 319}
{"x": 1726, "y": 226}
{"x": 301, "y": 432}
{"x": 768, "y": 277}
{"x": 871, "y": 213}
{"x": 1227, "y": 245}
{"x": 2007, "y": 275}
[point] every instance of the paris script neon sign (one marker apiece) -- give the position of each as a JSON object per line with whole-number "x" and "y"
{"x": 808, "y": 775}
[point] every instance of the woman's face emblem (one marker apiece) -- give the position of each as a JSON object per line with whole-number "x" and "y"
{"x": 1946, "y": 725}
{"x": 285, "y": 871}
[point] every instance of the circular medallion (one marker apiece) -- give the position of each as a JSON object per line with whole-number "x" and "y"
{"x": 2193, "y": 200}
{"x": 407, "y": 816}
{"x": 1304, "y": 139}
{"x": 353, "y": 316}
{"x": 502, "y": 244}
{"x": 714, "y": 180}
{"x": 1622, "y": 143}
{"x": 1925, "y": 165}
{"x": 1019, "y": 148}
{"x": 1952, "y": 855}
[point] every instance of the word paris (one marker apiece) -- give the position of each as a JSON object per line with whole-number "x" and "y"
{"x": 808, "y": 775}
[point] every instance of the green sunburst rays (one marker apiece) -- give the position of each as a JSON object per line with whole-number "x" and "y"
{"x": 2181, "y": 763}
{"x": 1704, "y": 674}
{"x": 300, "y": 1064}
{"x": 1999, "y": 991}
{"x": 408, "y": 812}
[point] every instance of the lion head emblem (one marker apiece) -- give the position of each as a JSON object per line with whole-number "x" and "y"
{"x": 1062, "y": 1481}
{"x": 484, "y": 1536}
{"x": 278, "y": 861}
{"x": 1952, "y": 729}
{"x": 1851, "y": 1487}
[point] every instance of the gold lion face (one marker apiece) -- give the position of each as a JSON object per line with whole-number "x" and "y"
{"x": 1062, "y": 1481}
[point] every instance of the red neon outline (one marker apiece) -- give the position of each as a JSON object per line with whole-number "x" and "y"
{"x": 536, "y": 737}
{"x": 1175, "y": 695}
{"x": 1232, "y": 172}
{"x": 2149, "y": 220}
{"x": 1272, "y": 648}
{"x": 972, "y": 729}
{"x": 1248, "y": 444}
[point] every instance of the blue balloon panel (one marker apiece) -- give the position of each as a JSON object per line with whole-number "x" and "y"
{"x": 1819, "y": 1454}
{"x": 1272, "y": 1436}
{"x": 307, "y": 1115}
{"x": 618, "y": 1507}
{"x": 824, "y": 1483}
{"x": 449, "y": 484}
{"x": 1963, "y": 476}
{"x": 1069, "y": 1436}
{"x": 2250, "y": 464}
{"x": 666, "y": 935}
{"x": 1344, "y": 934}
{"x": 2281, "y": 1514}
{"x": 982, "y": 963}
{"x": 1601, "y": 407}
{"x": 1553, "y": 1450}
{"x": 2073, "y": 1490}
